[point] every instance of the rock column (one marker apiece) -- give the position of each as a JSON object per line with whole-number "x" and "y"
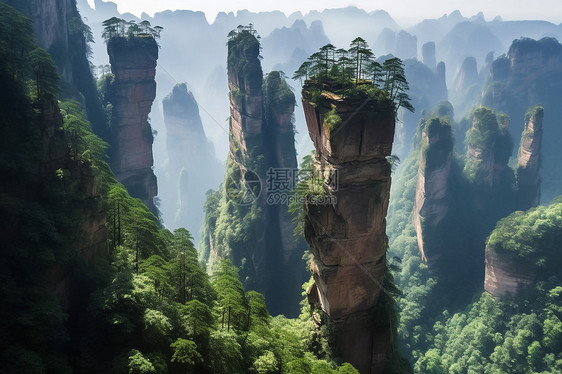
{"x": 347, "y": 231}
{"x": 133, "y": 63}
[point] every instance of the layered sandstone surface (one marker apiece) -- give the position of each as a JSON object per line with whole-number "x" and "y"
{"x": 504, "y": 277}
{"x": 192, "y": 168}
{"x": 432, "y": 189}
{"x": 528, "y": 163}
{"x": 347, "y": 233}
{"x": 133, "y": 63}
{"x": 261, "y": 154}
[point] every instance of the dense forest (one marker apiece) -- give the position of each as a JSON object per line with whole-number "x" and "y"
{"x": 138, "y": 303}
{"x": 349, "y": 258}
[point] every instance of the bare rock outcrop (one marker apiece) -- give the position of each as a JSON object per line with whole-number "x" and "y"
{"x": 428, "y": 54}
{"x": 528, "y": 163}
{"x": 347, "y": 230}
{"x": 262, "y": 158}
{"x": 432, "y": 190}
{"x": 192, "y": 168}
{"x": 133, "y": 63}
{"x": 467, "y": 75}
{"x": 503, "y": 278}
{"x": 529, "y": 75}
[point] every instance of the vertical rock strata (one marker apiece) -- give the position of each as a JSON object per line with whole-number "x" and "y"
{"x": 489, "y": 147}
{"x": 528, "y": 75}
{"x": 279, "y": 106}
{"x": 431, "y": 205}
{"x": 528, "y": 163}
{"x": 191, "y": 168}
{"x": 261, "y": 145}
{"x": 503, "y": 276}
{"x": 428, "y": 54}
{"x": 347, "y": 234}
{"x": 245, "y": 79}
{"x": 133, "y": 63}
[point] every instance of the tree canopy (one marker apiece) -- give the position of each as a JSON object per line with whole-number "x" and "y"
{"x": 344, "y": 72}
{"x": 118, "y": 27}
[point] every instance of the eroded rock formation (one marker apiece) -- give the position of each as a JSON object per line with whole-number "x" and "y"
{"x": 192, "y": 168}
{"x": 59, "y": 29}
{"x": 489, "y": 147}
{"x": 427, "y": 89}
{"x": 261, "y": 147}
{"x": 428, "y": 54}
{"x": 467, "y": 75}
{"x": 527, "y": 76}
{"x": 133, "y": 63}
{"x": 347, "y": 233}
{"x": 528, "y": 163}
{"x": 432, "y": 190}
{"x": 504, "y": 277}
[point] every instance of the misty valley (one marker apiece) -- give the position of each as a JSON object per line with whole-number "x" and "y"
{"x": 319, "y": 192}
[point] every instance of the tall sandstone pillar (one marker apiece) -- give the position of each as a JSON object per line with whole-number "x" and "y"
{"x": 133, "y": 63}
{"x": 504, "y": 276}
{"x": 347, "y": 236}
{"x": 431, "y": 205}
{"x": 528, "y": 163}
{"x": 261, "y": 147}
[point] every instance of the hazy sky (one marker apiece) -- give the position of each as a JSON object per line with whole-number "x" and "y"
{"x": 403, "y": 11}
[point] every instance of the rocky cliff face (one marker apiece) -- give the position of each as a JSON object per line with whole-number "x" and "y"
{"x": 528, "y": 163}
{"x": 527, "y": 76}
{"x": 279, "y": 104}
{"x": 427, "y": 89}
{"x": 133, "y": 63}
{"x": 262, "y": 154}
{"x": 467, "y": 75}
{"x": 406, "y": 45}
{"x": 347, "y": 234}
{"x": 432, "y": 190}
{"x": 428, "y": 54}
{"x": 50, "y": 24}
{"x": 192, "y": 168}
{"x": 503, "y": 278}
{"x": 489, "y": 147}
{"x": 246, "y": 99}
{"x": 59, "y": 29}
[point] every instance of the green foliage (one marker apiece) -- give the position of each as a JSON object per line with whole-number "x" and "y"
{"x": 43, "y": 207}
{"x": 486, "y": 335}
{"x": 492, "y": 336}
{"x": 488, "y": 138}
{"x": 535, "y": 113}
{"x": 45, "y": 72}
{"x": 484, "y": 129}
{"x": 331, "y": 119}
{"x": 355, "y": 75}
{"x": 277, "y": 93}
{"x": 310, "y": 183}
{"x": 185, "y": 352}
{"x": 119, "y": 28}
{"x": 437, "y": 145}
{"x": 531, "y": 238}
{"x": 234, "y": 230}
{"x": 244, "y": 54}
